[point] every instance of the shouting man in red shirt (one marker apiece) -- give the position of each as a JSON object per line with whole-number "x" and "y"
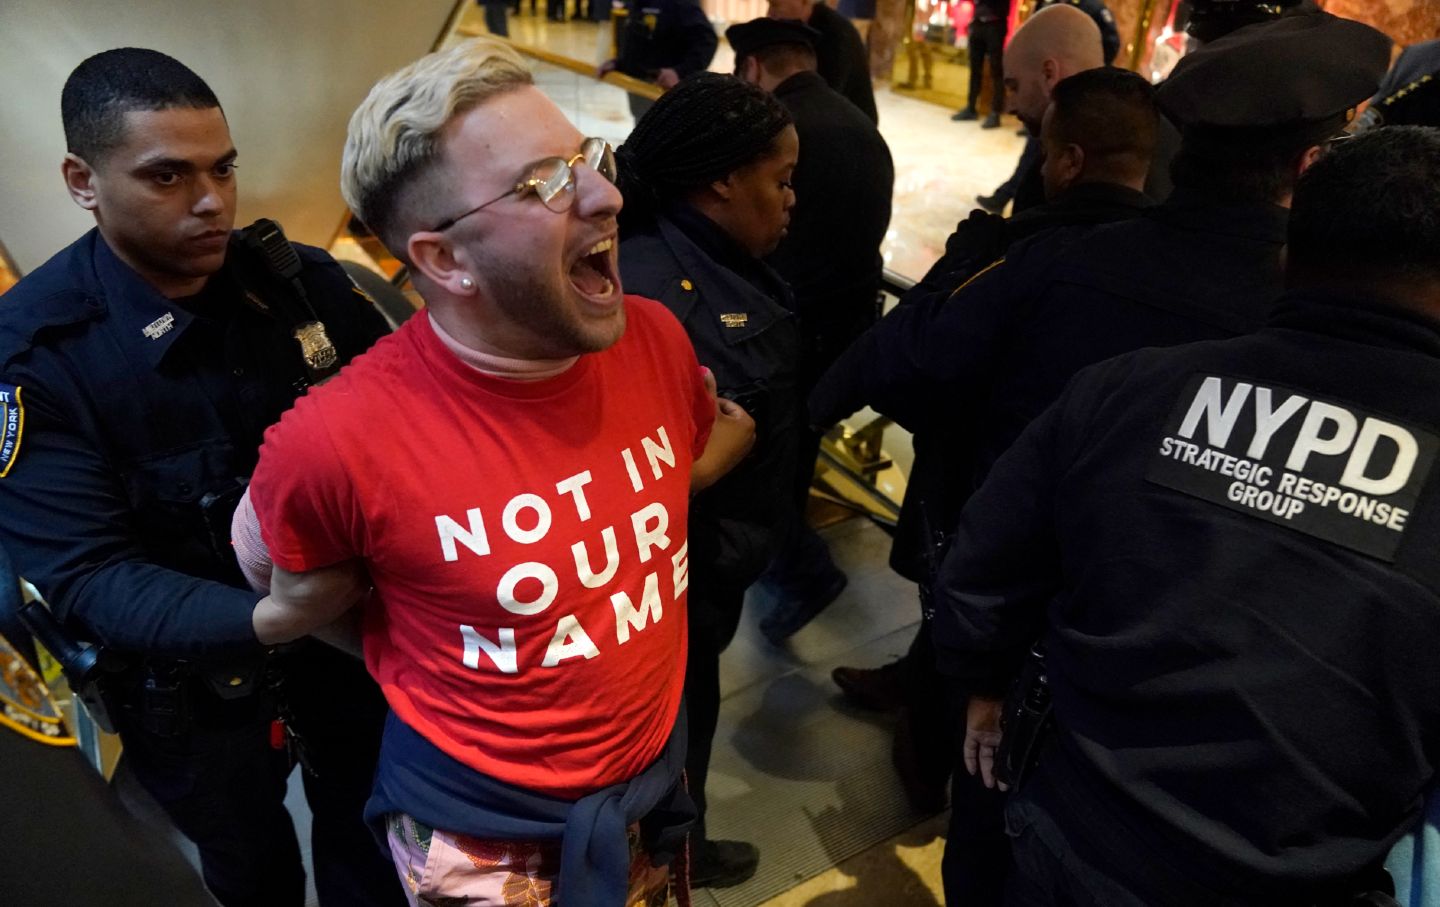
{"x": 510, "y": 472}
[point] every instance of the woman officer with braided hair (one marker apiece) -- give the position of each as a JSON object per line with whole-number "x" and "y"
{"x": 706, "y": 180}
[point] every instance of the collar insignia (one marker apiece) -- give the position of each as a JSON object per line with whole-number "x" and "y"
{"x": 159, "y": 327}
{"x": 734, "y": 320}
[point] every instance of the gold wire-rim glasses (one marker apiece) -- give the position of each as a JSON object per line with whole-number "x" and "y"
{"x": 552, "y": 180}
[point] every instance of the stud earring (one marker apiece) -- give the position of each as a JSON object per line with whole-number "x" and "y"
{"x": 467, "y": 284}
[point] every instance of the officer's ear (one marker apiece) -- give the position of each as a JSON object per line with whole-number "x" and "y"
{"x": 1309, "y": 156}
{"x": 1070, "y": 164}
{"x": 80, "y": 181}
{"x": 749, "y": 70}
{"x": 725, "y": 186}
{"x": 432, "y": 254}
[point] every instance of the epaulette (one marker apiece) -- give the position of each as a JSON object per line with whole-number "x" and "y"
{"x": 22, "y": 320}
{"x": 1396, "y": 96}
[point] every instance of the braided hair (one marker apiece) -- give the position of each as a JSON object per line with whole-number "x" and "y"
{"x": 700, "y": 131}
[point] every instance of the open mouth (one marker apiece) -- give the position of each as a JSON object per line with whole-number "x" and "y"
{"x": 594, "y": 274}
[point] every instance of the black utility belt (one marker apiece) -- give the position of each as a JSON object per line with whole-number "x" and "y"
{"x": 169, "y": 696}
{"x": 234, "y": 680}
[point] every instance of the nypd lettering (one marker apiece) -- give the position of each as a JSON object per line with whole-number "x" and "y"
{"x": 1330, "y": 470}
{"x": 12, "y": 426}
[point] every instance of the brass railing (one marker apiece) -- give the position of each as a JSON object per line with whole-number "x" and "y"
{"x": 618, "y": 79}
{"x": 854, "y": 469}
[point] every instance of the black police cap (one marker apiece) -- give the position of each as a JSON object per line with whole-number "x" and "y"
{"x": 1295, "y": 71}
{"x": 748, "y": 37}
{"x": 1212, "y": 19}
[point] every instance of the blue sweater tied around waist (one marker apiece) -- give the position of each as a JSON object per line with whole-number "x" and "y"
{"x": 416, "y": 778}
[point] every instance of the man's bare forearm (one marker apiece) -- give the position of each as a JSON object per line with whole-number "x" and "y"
{"x": 302, "y": 603}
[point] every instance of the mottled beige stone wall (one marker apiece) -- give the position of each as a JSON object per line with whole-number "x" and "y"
{"x": 1127, "y": 18}
{"x": 887, "y": 30}
{"x": 1405, "y": 21}
{"x": 1128, "y": 15}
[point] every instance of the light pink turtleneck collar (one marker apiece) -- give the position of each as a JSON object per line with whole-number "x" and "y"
{"x": 501, "y": 366}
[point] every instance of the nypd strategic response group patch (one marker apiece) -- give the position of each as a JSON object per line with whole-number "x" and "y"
{"x": 12, "y": 426}
{"x": 1327, "y": 469}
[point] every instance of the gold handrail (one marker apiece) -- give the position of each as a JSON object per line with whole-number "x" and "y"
{"x": 618, "y": 79}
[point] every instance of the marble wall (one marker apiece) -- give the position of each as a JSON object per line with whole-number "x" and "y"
{"x": 1405, "y": 21}
{"x": 1127, "y": 18}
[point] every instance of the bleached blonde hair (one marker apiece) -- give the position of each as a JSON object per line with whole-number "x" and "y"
{"x": 394, "y": 136}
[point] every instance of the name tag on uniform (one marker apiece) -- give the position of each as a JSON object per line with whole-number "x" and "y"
{"x": 159, "y": 327}
{"x": 1331, "y": 470}
{"x": 12, "y": 425}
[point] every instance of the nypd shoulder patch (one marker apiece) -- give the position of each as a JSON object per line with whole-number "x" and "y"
{"x": 12, "y": 425}
{"x": 26, "y": 706}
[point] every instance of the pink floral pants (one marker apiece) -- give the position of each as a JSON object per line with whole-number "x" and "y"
{"x": 441, "y": 869}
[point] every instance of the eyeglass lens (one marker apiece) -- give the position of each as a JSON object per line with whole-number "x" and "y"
{"x": 553, "y": 179}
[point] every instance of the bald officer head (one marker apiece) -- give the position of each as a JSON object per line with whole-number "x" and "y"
{"x": 1053, "y": 44}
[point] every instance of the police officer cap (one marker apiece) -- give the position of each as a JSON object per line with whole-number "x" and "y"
{"x": 1291, "y": 74}
{"x": 748, "y": 37}
{"x": 1211, "y": 19}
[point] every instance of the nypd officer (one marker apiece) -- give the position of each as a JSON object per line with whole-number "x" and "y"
{"x": 830, "y": 257}
{"x": 1092, "y": 178}
{"x": 138, "y": 369}
{"x": 1211, "y": 20}
{"x": 1230, "y": 548}
{"x": 1256, "y": 109}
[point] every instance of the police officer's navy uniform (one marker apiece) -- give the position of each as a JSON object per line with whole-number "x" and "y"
{"x": 841, "y": 58}
{"x": 831, "y": 254}
{"x": 831, "y": 259}
{"x": 1001, "y": 349}
{"x": 131, "y": 423}
{"x": 664, "y": 34}
{"x": 936, "y": 386}
{"x": 735, "y": 311}
{"x": 1231, "y": 548}
{"x": 1410, "y": 93}
{"x": 1195, "y": 268}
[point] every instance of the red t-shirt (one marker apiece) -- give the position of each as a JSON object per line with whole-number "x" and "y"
{"x": 526, "y": 540}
